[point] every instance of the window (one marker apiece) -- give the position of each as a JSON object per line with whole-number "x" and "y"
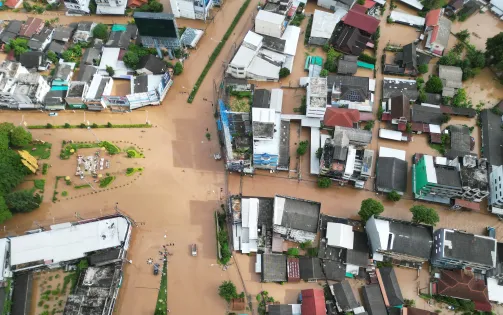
{"x": 354, "y": 96}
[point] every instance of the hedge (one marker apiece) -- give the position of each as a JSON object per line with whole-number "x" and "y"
{"x": 95, "y": 126}
{"x": 368, "y": 59}
{"x": 217, "y": 50}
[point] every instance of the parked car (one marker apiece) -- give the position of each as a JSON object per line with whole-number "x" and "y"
{"x": 53, "y": 114}
{"x": 156, "y": 269}
{"x": 194, "y": 249}
{"x": 491, "y": 232}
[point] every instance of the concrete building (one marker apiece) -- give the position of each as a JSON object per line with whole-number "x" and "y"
{"x": 192, "y": 9}
{"x": 316, "y": 98}
{"x": 75, "y": 94}
{"x": 100, "y": 86}
{"x": 438, "y": 179}
{"x": 451, "y": 80}
{"x": 111, "y": 7}
{"x": 77, "y": 7}
{"x": 391, "y": 171}
{"x": 110, "y": 58}
{"x": 323, "y": 26}
{"x": 437, "y": 32}
{"x": 64, "y": 73}
{"x": 84, "y": 29}
{"x": 454, "y": 249}
{"x": 400, "y": 242}
{"x": 39, "y": 42}
{"x": 495, "y": 183}
{"x": 266, "y": 126}
{"x": 336, "y": 4}
{"x": 270, "y": 24}
{"x": 296, "y": 219}
{"x": 20, "y": 89}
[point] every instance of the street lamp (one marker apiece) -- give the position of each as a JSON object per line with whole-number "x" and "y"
{"x": 89, "y": 128}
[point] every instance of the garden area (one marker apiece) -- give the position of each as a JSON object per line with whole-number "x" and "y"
{"x": 161, "y": 306}
{"x": 69, "y": 148}
{"x": 223, "y": 250}
{"x": 39, "y": 149}
{"x": 50, "y": 291}
{"x": 240, "y": 101}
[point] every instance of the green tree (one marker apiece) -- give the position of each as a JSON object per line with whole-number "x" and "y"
{"x": 284, "y": 72}
{"x": 476, "y": 57}
{"x": 422, "y": 214}
{"x": 369, "y": 125}
{"x": 463, "y": 35}
{"x": 100, "y": 31}
{"x": 423, "y": 68}
{"x": 155, "y": 6}
{"x": 18, "y": 45}
{"x": 5, "y": 214}
{"x": 131, "y": 59}
{"x": 302, "y": 149}
{"x": 27, "y": 6}
{"x": 12, "y": 171}
{"x": 23, "y": 201}
{"x": 51, "y": 55}
{"x": 227, "y": 291}
{"x": 110, "y": 71}
{"x": 178, "y": 68}
{"x": 293, "y": 252}
{"x": 369, "y": 208}
{"x": 306, "y": 244}
{"x": 434, "y": 85}
{"x": 494, "y": 51}
{"x": 19, "y": 137}
{"x": 324, "y": 73}
{"x": 460, "y": 99}
{"x": 324, "y": 182}
{"x": 433, "y": 4}
{"x": 394, "y": 196}
{"x": 319, "y": 153}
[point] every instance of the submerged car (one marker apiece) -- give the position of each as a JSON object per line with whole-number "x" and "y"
{"x": 194, "y": 249}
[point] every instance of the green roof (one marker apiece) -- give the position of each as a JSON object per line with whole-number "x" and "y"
{"x": 118, "y": 27}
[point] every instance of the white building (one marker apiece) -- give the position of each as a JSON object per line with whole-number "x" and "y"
{"x": 77, "y": 7}
{"x": 495, "y": 184}
{"x": 110, "y": 58}
{"x": 316, "y": 98}
{"x": 336, "y": 4}
{"x": 323, "y": 26}
{"x": 84, "y": 29}
{"x": 497, "y": 8}
{"x": 340, "y": 235}
{"x": 66, "y": 242}
{"x": 246, "y": 233}
{"x": 271, "y": 24}
{"x": 191, "y": 9}
{"x": 5, "y": 271}
{"x": 111, "y": 7}
{"x": 100, "y": 86}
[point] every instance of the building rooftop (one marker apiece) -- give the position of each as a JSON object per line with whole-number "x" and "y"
{"x": 66, "y": 242}
{"x": 91, "y": 56}
{"x": 270, "y": 17}
{"x": 350, "y": 88}
{"x": 344, "y": 296}
{"x": 356, "y": 136}
{"x": 31, "y": 27}
{"x": 359, "y": 255}
{"x": 351, "y": 41}
{"x": 392, "y": 87}
{"x": 492, "y": 137}
{"x": 373, "y": 301}
{"x": 426, "y": 114}
{"x": 458, "y": 284}
{"x": 340, "y": 235}
{"x": 63, "y": 33}
{"x": 324, "y": 22}
{"x": 296, "y": 213}
{"x": 32, "y": 59}
{"x": 261, "y": 98}
{"x": 86, "y": 73}
{"x": 343, "y": 117}
{"x": 313, "y": 302}
{"x": 471, "y": 248}
{"x": 76, "y": 89}
{"x": 400, "y": 107}
{"x": 274, "y": 268}
{"x": 460, "y": 141}
{"x": 85, "y": 26}
{"x": 347, "y": 65}
{"x": 153, "y": 64}
{"x": 56, "y": 47}
{"x": 36, "y": 41}
{"x": 361, "y": 21}
{"x": 391, "y": 174}
{"x": 392, "y": 293}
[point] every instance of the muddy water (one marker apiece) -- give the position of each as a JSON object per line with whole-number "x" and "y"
{"x": 481, "y": 27}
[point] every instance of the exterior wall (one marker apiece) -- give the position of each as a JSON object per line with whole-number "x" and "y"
{"x": 144, "y": 71}
{"x": 237, "y": 72}
{"x": 496, "y": 182}
{"x": 333, "y": 5}
{"x": 186, "y": 9}
{"x": 265, "y": 161}
{"x": 268, "y": 28}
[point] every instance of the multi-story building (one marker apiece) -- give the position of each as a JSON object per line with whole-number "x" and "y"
{"x": 400, "y": 242}
{"x": 278, "y": 6}
{"x": 192, "y": 9}
{"x": 77, "y": 7}
{"x": 454, "y": 249}
{"x": 111, "y": 7}
{"x": 495, "y": 182}
{"x": 270, "y": 24}
{"x": 20, "y": 89}
{"x": 439, "y": 179}
{"x": 316, "y": 97}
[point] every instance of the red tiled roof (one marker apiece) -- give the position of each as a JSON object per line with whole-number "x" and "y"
{"x": 458, "y": 284}
{"x": 136, "y": 3}
{"x": 292, "y": 267}
{"x": 31, "y": 26}
{"x": 361, "y": 21}
{"x": 11, "y": 3}
{"x": 359, "y": 8}
{"x": 313, "y": 302}
{"x": 434, "y": 33}
{"x": 433, "y": 17}
{"x": 341, "y": 117}
{"x": 369, "y": 4}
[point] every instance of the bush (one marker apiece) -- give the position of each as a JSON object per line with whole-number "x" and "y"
{"x": 319, "y": 153}
{"x": 369, "y": 125}
{"x": 293, "y": 252}
{"x": 368, "y": 59}
{"x": 284, "y": 72}
{"x": 227, "y": 291}
{"x": 394, "y": 196}
{"x": 106, "y": 181}
{"x": 324, "y": 73}
{"x": 217, "y": 50}
{"x": 370, "y": 207}
{"x": 324, "y": 182}
{"x": 308, "y": 30}
{"x": 110, "y": 71}
{"x": 422, "y": 214}
{"x": 82, "y": 125}
{"x": 100, "y": 31}
{"x": 178, "y": 68}
{"x": 422, "y": 68}
{"x": 95, "y": 125}
{"x": 302, "y": 149}
{"x": 434, "y": 85}
{"x": 67, "y": 125}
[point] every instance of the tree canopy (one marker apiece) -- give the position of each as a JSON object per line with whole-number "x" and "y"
{"x": 434, "y": 85}
{"x": 19, "y": 137}
{"x": 100, "y": 31}
{"x": 369, "y": 208}
{"x": 23, "y": 201}
{"x": 5, "y": 214}
{"x": 134, "y": 54}
{"x": 394, "y": 196}
{"x": 422, "y": 214}
{"x": 494, "y": 51}
{"x": 284, "y": 72}
{"x": 19, "y": 45}
{"x": 227, "y": 290}
{"x": 178, "y": 68}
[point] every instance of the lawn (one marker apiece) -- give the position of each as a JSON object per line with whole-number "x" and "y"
{"x": 41, "y": 151}
{"x": 82, "y": 186}
{"x": 161, "y": 306}
{"x": 39, "y": 184}
{"x": 133, "y": 153}
{"x": 106, "y": 181}
{"x": 131, "y": 170}
{"x": 70, "y": 148}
